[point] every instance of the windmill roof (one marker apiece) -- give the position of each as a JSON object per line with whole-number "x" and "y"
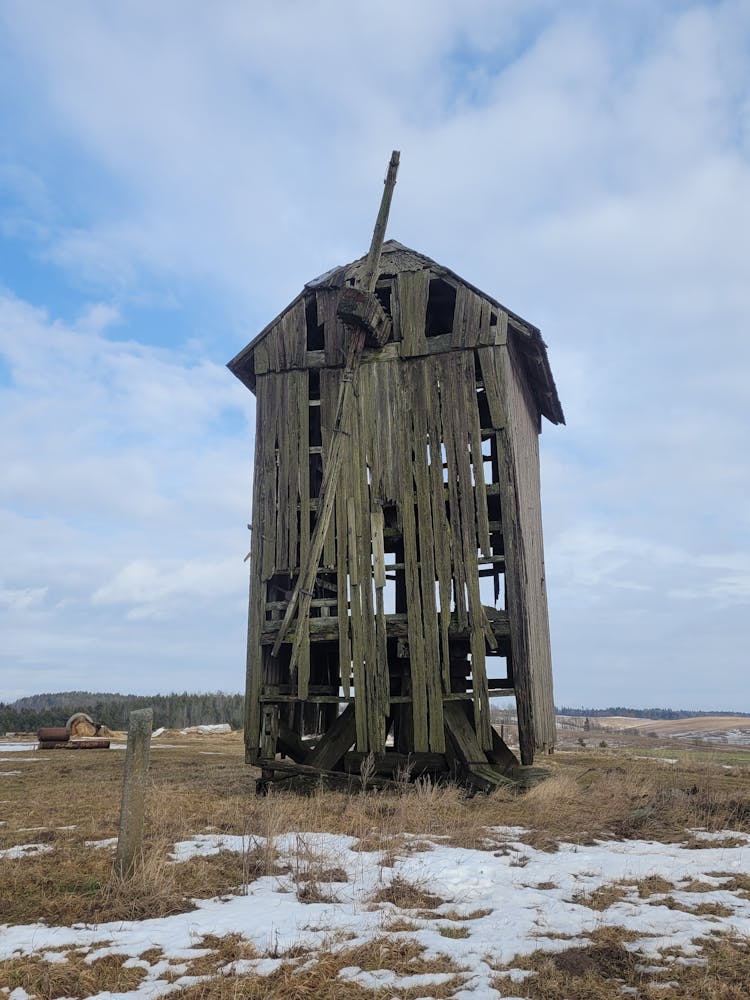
{"x": 398, "y": 258}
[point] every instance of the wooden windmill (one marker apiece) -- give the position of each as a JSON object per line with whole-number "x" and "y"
{"x": 396, "y": 476}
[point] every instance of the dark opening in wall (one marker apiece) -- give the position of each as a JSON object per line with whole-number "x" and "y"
{"x": 383, "y": 292}
{"x": 441, "y": 306}
{"x": 315, "y": 341}
{"x": 315, "y": 439}
{"x": 313, "y": 384}
{"x": 316, "y": 473}
{"x": 485, "y": 420}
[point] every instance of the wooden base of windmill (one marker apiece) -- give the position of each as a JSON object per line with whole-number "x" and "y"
{"x": 306, "y": 765}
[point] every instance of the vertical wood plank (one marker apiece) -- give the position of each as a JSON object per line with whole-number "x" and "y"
{"x": 329, "y": 388}
{"x": 492, "y": 386}
{"x": 412, "y": 289}
{"x": 299, "y": 555}
{"x": 525, "y": 575}
{"x": 298, "y": 456}
{"x": 267, "y": 403}
{"x": 378, "y": 547}
{"x": 362, "y": 414}
{"x": 257, "y": 586}
{"x": 421, "y": 392}
{"x": 283, "y": 465}
{"x": 458, "y": 373}
{"x": 378, "y": 554}
{"x": 303, "y": 408}
{"x": 467, "y": 318}
{"x": 486, "y": 334}
{"x": 342, "y": 595}
{"x": 448, "y": 416}
{"x": 411, "y": 572}
{"x": 334, "y": 331}
{"x": 289, "y": 337}
{"x": 440, "y": 526}
{"x": 355, "y": 600}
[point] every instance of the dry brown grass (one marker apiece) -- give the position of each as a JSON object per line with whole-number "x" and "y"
{"x": 406, "y": 895}
{"x": 73, "y": 977}
{"x": 319, "y": 980}
{"x": 589, "y": 795}
{"x": 600, "y": 970}
{"x": 398, "y": 924}
{"x": 614, "y": 892}
{"x": 701, "y": 843}
{"x": 739, "y": 884}
{"x": 701, "y": 910}
{"x": 652, "y": 885}
{"x": 223, "y": 950}
{"x": 604, "y": 897}
{"x": 453, "y": 932}
{"x": 471, "y": 915}
{"x": 697, "y": 886}
{"x": 75, "y": 883}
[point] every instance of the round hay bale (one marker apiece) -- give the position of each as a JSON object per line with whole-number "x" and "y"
{"x": 81, "y": 724}
{"x": 53, "y": 734}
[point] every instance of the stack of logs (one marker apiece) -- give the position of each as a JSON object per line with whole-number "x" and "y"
{"x": 79, "y": 733}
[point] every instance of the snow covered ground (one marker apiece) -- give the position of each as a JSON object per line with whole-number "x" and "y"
{"x": 509, "y": 900}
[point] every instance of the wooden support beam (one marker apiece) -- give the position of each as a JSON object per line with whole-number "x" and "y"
{"x": 396, "y": 626}
{"x": 335, "y": 742}
{"x": 303, "y": 588}
{"x": 468, "y": 751}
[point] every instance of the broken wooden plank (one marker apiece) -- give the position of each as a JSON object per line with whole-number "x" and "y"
{"x": 359, "y": 308}
{"x": 335, "y": 742}
{"x": 468, "y": 750}
{"x": 411, "y": 573}
{"x": 421, "y": 390}
{"x": 410, "y": 308}
{"x": 303, "y": 587}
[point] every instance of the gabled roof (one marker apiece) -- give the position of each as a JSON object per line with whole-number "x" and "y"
{"x": 396, "y": 258}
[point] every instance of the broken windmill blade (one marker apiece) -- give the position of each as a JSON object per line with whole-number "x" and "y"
{"x": 361, "y": 311}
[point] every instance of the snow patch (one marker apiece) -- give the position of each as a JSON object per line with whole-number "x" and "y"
{"x": 222, "y": 727}
{"x": 518, "y": 919}
{"x": 25, "y": 850}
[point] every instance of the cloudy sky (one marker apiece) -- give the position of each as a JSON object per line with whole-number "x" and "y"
{"x": 170, "y": 176}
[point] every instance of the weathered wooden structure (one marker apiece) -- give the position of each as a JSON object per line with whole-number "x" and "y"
{"x": 396, "y": 494}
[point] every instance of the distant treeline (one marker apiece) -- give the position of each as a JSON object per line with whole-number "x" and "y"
{"x": 176, "y": 711}
{"x": 643, "y": 713}
{"x": 173, "y": 711}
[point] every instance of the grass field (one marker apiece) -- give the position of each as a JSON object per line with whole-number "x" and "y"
{"x": 627, "y": 869}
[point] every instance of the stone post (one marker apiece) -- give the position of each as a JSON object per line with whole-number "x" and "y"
{"x": 132, "y": 809}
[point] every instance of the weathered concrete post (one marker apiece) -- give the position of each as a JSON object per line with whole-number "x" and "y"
{"x": 133, "y": 804}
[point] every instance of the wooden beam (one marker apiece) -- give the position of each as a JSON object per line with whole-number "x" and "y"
{"x": 335, "y": 742}
{"x": 303, "y": 588}
{"x": 327, "y": 629}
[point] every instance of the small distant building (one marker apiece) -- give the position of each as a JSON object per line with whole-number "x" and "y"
{"x": 429, "y": 597}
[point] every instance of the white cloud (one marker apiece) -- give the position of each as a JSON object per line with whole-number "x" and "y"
{"x": 19, "y": 600}
{"x": 124, "y": 502}
{"x": 152, "y": 588}
{"x": 589, "y": 165}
